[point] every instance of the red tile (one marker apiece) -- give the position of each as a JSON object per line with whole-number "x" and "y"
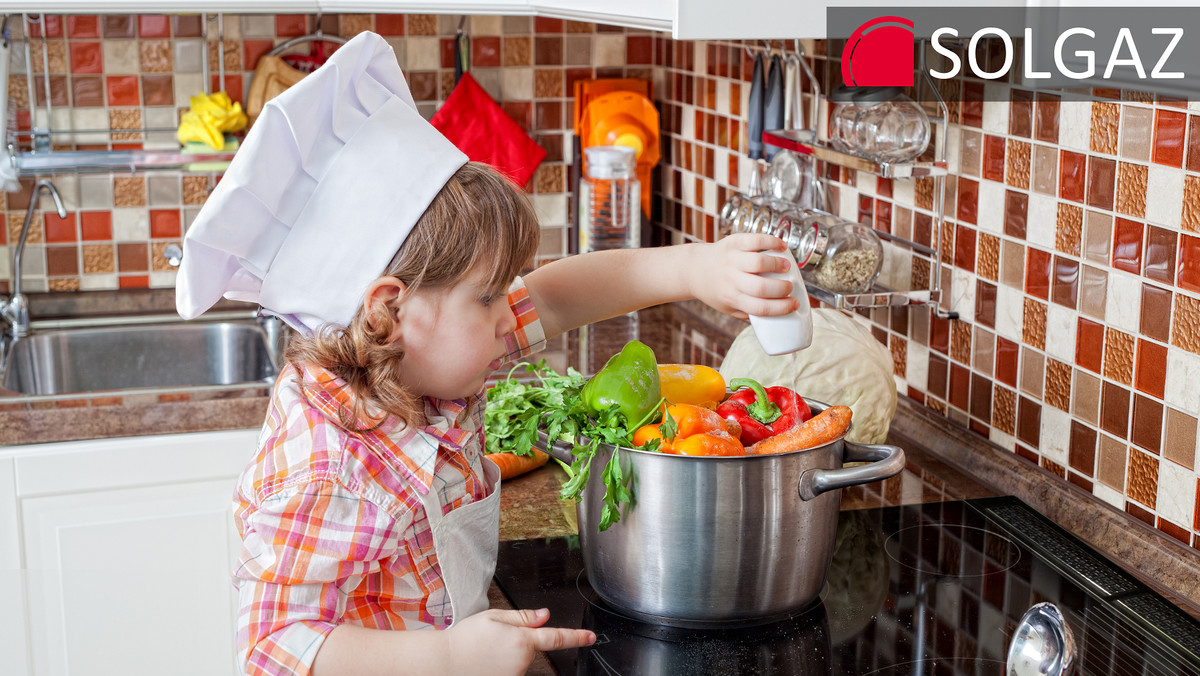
{"x": 1046, "y": 118}
{"x": 548, "y": 115}
{"x": 62, "y": 261}
{"x": 158, "y": 90}
{"x": 253, "y": 50}
{"x": 964, "y": 248}
{"x": 1029, "y": 421}
{"x": 86, "y": 57}
{"x": 1065, "y": 289}
{"x": 993, "y": 158}
{"x": 87, "y": 91}
{"x": 50, "y": 25}
{"x": 939, "y": 334}
{"x": 985, "y": 303}
{"x": 389, "y": 24}
{"x": 1037, "y": 273}
{"x": 1151, "y": 370}
{"x": 232, "y": 86}
{"x": 938, "y": 371}
{"x": 446, "y": 51}
{"x": 1193, "y": 146}
{"x": 123, "y": 90}
{"x": 960, "y": 386}
{"x": 164, "y": 223}
{"x": 134, "y": 282}
{"x": 883, "y": 186}
{"x": 1114, "y": 409}
{"x": 548, "y": 50}
{"x": 883, "y": 213}
{"x": 1016, "y": 208}
{"x": 83, "y": 26}
{"x": 981, "y": 398}
{"x": 120, "y": 26}
{"x": 1101, "y": 179}
{"x": 1147, "y": 423}
{"x": 291, "y": 25}
{"x": 485, "y": 51}
{"x": 154, "y": 26}
{"x": 1020, "y": 116}
{"x": 59, "y": 230}
{"x": 95, "y": 226}
{"x": 187, "y": 25}
{"x": 1159, "y": 259}
{"x": 543, "y": 24}
{"x": 972, "y": 104}
{"x": 1169, "y": 129}
{"x": 1188, "y": 276}
{"x": 1089, "y": 345}
{"x": 1127, "y": 245}
{"x": 1072, "y": 174}
{"x": 639, "y": 49}
{"x": 968, "y": 200}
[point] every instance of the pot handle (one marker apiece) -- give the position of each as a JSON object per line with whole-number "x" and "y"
{"x": 558, "y": 450}
{"x": 885, "y": 462}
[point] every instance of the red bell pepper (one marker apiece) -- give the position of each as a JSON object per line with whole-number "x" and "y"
{"x": 762, "y": 412}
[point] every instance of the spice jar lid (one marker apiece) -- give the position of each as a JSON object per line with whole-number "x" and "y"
{"x": 872, "y": 95}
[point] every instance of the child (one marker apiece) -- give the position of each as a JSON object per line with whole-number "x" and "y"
{"x": 368, "y": 508}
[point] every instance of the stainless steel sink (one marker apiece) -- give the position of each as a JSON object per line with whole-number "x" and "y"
{"x": 157, "y": 356}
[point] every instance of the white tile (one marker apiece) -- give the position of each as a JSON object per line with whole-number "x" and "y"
{"x": 189, "y": 56}
{"x": 5, "y": 266}
{"x": 1122, "y": 307}
{"x": 1010, "y": 312}
{"x": 721, "y": 167}
{"x": 97, "y": 282}
{"x": 187, "y": 85}
{"x": 916, "y": 369}
{"x": 1055, "y": 437}
{"x": 95, "y": 192}
{"x": 1005, "y": 441}
{"x": 847, "y": 203}
{"x": 904, "y": 192}
{"x": 991, "y": 207}
{"x": 130, "y": 224}
{"x": 1183, "y": 372}
{"x": 1042, "y": 221}
{"x": 163, "y": 279}
{"x": 896, "y": 271}
{"x": 1109, "y": 495}
{"x": 551, "y": 209}
{"x": 699, "y": 56}
{"x": 1164, "y": 195}
{"x": 995, "y": 108}
{"x": 688, "y": 195}
{"x": 424, "y": 53}
{"x": 709, "y": 203}
{"x": 90, "y": 118}
{"x": 516, "y": 84}
{"x": 1075, "y": 124}
{"x": 688, "y": 122}
{"x": 723, "y": 95}
{"x": 258, "y": 26}
{"x": 962, "y": 294}
{"x": 1176, "y": 493}
{"x": 121, "y": 57}
{"x": 1060, "y": 332}
{"x": 608, "y": 49}
{"x": 486, "y": 24}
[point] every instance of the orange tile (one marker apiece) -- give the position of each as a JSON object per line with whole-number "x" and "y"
{"x": 123, "y": 90}
{"x": 134, "y": 282}
{"x": 1169, "y": 130}
{"x": 1150, "y": 375}
{"x": 83, "y": 26}
{"x": 1188, "y": 276}
{"x": 95, "y": 225}
{"x": 164, "y": 223}
{"x": 391, "y": 25}
{"x": 86, "y": 57}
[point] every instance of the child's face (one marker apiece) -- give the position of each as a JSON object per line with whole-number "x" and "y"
{"x": 453, "y": 337}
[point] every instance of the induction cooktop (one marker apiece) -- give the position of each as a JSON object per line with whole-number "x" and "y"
{"x": 928, "y": 589}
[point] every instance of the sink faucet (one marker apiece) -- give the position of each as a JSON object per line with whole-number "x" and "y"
{"x": 15, "y": 311}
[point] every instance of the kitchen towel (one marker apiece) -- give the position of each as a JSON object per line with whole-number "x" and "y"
{"x": 479, "y": 127}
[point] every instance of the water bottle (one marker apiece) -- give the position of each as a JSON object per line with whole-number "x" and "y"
{"x": 610, "y": 212}
{"x": 783, "y": 334}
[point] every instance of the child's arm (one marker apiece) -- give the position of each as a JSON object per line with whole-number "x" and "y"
{"x": 582, "y": 289}
{"x": 496, "y": 642}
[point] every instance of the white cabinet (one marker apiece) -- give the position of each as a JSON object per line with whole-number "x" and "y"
{"x": 123, "y": 553}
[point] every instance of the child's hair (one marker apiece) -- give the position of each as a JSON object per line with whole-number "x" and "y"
{"x": 479, "y": 216}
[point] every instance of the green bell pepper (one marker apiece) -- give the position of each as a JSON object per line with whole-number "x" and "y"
{"x": 629, "y": 381}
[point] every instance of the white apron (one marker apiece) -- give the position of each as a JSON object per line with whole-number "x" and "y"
{"x": 466, "y": 542}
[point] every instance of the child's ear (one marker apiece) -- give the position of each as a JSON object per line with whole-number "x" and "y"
{"x": 384, "y": 295}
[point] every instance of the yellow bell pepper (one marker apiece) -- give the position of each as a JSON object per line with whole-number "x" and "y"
{"x": 691, "y": 384}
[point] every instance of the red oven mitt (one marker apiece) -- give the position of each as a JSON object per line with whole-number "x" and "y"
{"x": 479, "y": 127}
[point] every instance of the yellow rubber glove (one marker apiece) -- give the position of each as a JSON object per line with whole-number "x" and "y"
{"x": 226, "y": 114}
{"x": 200, "y": 127}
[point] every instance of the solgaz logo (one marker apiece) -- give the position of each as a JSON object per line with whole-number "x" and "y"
{"x": 879, "y": 54}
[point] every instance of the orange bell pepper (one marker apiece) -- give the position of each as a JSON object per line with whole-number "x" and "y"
{"x": 697, "y": 431}
{"x": 713, "y": 443}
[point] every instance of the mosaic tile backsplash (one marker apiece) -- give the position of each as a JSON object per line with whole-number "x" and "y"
{"x": 1071, "y": 246}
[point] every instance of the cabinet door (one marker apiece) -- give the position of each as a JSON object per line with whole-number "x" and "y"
{"x": 128, "y": 547}
{"x": 14, "y": 648}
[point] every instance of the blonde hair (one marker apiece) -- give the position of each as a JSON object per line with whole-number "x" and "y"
{"x": 479, "y": 216}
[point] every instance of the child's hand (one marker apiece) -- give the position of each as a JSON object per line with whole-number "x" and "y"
{"x": 500, "y": 642}
{"x": 726, "y": 276}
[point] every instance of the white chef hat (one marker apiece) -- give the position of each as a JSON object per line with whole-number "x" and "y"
{"x": 328, "y": 183}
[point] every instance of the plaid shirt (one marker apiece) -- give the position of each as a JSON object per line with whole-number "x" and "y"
{"x": 332, "y": 525}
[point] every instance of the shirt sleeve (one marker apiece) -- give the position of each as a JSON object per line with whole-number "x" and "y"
{"x": 300, "y": 548}
{"x": 529, "y": 337}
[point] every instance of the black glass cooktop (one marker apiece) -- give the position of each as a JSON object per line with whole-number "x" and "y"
{"x": 924, "y": 590}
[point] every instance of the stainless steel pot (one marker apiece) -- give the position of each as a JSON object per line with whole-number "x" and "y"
{"x": 716, "y": 540}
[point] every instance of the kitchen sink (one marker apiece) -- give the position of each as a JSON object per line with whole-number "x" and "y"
{"x": 125, "y": 357}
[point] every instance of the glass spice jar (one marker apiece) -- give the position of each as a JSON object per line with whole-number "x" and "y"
{"x": 836, "y": 255}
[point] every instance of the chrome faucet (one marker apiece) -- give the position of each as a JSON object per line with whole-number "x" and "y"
{"x": 15, "y": 310}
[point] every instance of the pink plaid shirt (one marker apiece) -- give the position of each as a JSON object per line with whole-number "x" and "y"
{"x": 332, "y": 525}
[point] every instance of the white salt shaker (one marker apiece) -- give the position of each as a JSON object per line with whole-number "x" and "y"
{"x": 783, "y": 334}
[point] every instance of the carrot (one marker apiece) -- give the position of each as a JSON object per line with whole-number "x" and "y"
{"x": 512, "y": 465}
{"x": 823, "y": 428}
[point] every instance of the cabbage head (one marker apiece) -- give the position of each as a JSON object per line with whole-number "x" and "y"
{"x": 844, "y": 365}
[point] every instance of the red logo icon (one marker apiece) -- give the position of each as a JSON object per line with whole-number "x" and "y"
{"x": 880, "y": 54}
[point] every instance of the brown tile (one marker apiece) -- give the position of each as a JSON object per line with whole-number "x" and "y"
{"x": 1037, "y": 273}
{"x": 36, "y": 233}
{"x": 1029, "y": 421}
{"x": 195, "y": 189}
{"x": 155, "y": 55}
{"x": 1143, "y": 478}
{"x": 1147, "y": 423}
{"x": 422, "y": 24}
{"x": 1192, "y": 162}
{"x": 1136, "y": 128}
{"x": 983, "y": 352}
{"x": 1169, "y": 131}
{"x": 1033, "y": 366}
{"x": 993, "y": 160}
{"x": 1046, "y": 118}
{"x": 988, "y": 256}
{"x": 1118, "y": 356}
{"x": 158, "y": 90}
{"x": 158, "y": 257}
{"x": 517, "y": 25}
{"x": 1017, "y": 164}
{"x": 1016, "y": 208}
{"x": 960, "y": 342}
{"x": 971, "y": 113}
{"x": 1188, "y": 271}
{"x": 60, "y": 91}
{"x": 1004, "y": 409}
{"x": 1114, "y": 409}
{"x": 1106, "y": 117}
{"x": 1082, "y": 451}
{"x": 1065, "y": 286}
{"x": 423, "y": 85}
{"x": 516, "y": 50}
{"x": 62, "y": 261}
{"x": 120, "y": 26}
{"x": 1131, "y": 189}
{"x": 1155, "y": 320}
{"x": 1185, "y": 323}
{"x": 98, "y": 259}
{"x": 65, "y": 284}
{"x": 133, "y": 257}
{"x": 1159, "y": 259}
{"x": 1110, "y": 470}
{"x": 547, "y": 115}
{"x": 1044, "y": 178}
{"x": 1089, "y": 345}
{"x": 1190, "y": 220}
{"x": 1020, "y": 113}
{"x": 87, "y": 91}
{"x": 1097, "y": 238}
{"x": 1151, "y": 368}
{"x": 1127, "y": 245}
{"x": 1085, "y": 397}
{"x": 1101, "y": 182}
{"x": 899, "y": 350}
{"x": 125, "y": 118}
{"x": 981, "y": 398}
{"x": 938, "y": 371}
{"x": 550, "y": 178}
{"x": 129, "y": 191}
{"x": 1072, "y": 175}
{"x": 970, "y": 150}
{"x": 964, "y": 248}
{"x": 1179, "y": 444}
{"x": 1058, "y": 384}
{"x": 1006, "y": 361}
{"x": 960, "y": 387}
{"x": 548, "y": 83}
{"x": 548, "y": 50}
{"x": 1068, "y": 229}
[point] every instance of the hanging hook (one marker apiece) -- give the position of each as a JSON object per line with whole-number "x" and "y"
{"x": 317, "y": 25}
{"x": 461, "y": 22}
